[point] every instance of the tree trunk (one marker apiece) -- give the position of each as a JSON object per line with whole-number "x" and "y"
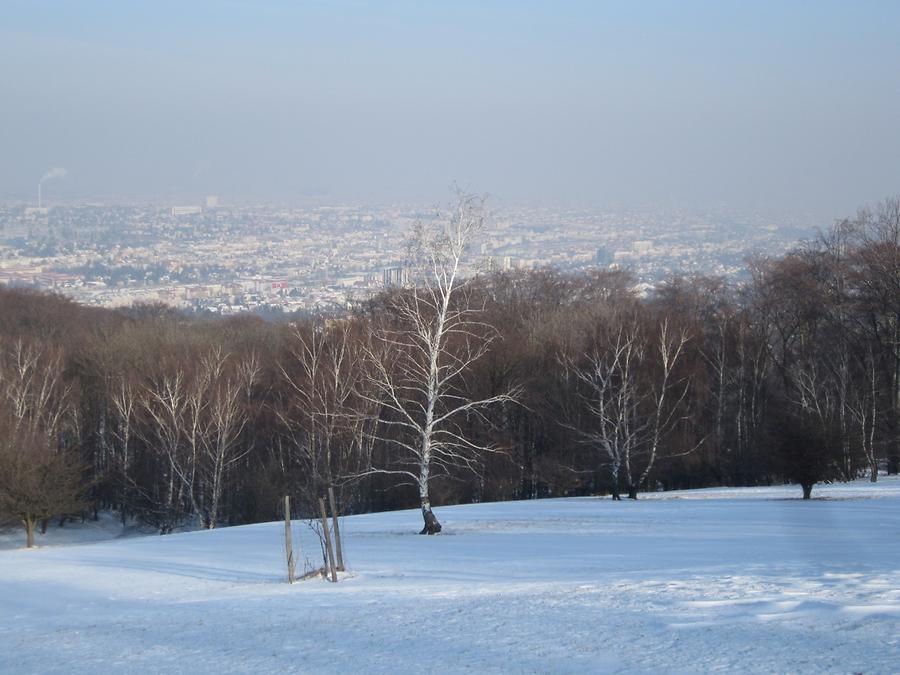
{"x": 29, "y": 531}
{"x": 432, "y": 526}
{"x": 616, "y": 492}
{"x": 338, "y": 547}
{"x": 807, "y": 490}
{"x": 873, "y": 472}
{"x": 632, "y": 491}
{"x": 288, "y": 544}
{"x": 329, "y": 552}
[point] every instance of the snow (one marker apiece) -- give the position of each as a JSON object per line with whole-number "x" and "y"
{"x": 106, "y": 527}
{"x": 736, "y": 580}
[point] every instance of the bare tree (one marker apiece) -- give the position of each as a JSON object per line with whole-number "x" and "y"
{"x": 230, "y": 383}
{"x": 40, "y": 474}
{"x": 37, "y": 480}
{"x": 876, "y": 283}
{"x": 631, "y": 395}
{"x": 422, "y": 352}
{"x": 170, "y": 406}
{"x": 123, "y": 398}
{"x": 863, "y": 408}
{"x": 33, "y": 388}
{"x": 323, "y": 410}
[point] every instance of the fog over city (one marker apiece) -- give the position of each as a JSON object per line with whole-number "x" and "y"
{"x": 784, "y": 107}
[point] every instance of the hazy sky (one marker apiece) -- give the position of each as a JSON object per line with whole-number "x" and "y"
{"x": 792, "y": 105}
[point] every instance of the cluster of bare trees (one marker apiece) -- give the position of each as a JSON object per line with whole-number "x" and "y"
{"x": 629, "y": 394}
{"x": 460, "y": 388}
{"x": 191, "y": 415}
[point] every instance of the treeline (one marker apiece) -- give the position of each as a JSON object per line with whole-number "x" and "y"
{"x": 531, "y": 385}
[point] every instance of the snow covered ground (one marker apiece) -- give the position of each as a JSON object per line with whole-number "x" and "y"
{"x": 737, "y": 580}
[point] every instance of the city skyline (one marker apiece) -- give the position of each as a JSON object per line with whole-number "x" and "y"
{"x": 227, "y": 259}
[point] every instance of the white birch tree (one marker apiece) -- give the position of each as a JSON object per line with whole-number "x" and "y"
{"x": 631, "y": 396}
{"x": 230, "y": 383}
{"x": 422, "y": 352}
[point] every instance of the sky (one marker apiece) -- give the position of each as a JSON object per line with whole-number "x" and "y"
{"x": 771, "y": 104}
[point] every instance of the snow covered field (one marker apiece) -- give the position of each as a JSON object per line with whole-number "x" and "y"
{"x": 738, "y": 580}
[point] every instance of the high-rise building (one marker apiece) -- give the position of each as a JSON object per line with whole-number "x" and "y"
{"x": 603, "y": 257}
{"x": 212, "y": 201}
{"x": 186, "y": 210}
{"x": 395, "y": 276}
{"x": 500, "y": 263}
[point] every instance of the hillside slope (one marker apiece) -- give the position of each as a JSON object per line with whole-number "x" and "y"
{"x": 749, "y": 580}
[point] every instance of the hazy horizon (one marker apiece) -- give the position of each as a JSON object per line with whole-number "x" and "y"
{"x": 789, "y": 106}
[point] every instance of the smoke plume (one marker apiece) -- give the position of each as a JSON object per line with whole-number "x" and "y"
{"x": 54, "y": 173}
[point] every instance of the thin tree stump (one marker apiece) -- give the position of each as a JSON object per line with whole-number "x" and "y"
{"x": 339, "y": 549}
{"x": 288, "y": 545}
{"x": 329, "y": 553}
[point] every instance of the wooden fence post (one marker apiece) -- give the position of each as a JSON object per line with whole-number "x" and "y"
{"x": 339, "y": 549}
{"x": 288, "y": 546}
{"x": 329, "y": 554}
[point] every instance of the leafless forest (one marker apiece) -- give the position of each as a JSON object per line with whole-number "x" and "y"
{"x": 493, "y": 387}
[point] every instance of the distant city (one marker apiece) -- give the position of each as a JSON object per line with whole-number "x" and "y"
{"x": 213, "y": 257}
